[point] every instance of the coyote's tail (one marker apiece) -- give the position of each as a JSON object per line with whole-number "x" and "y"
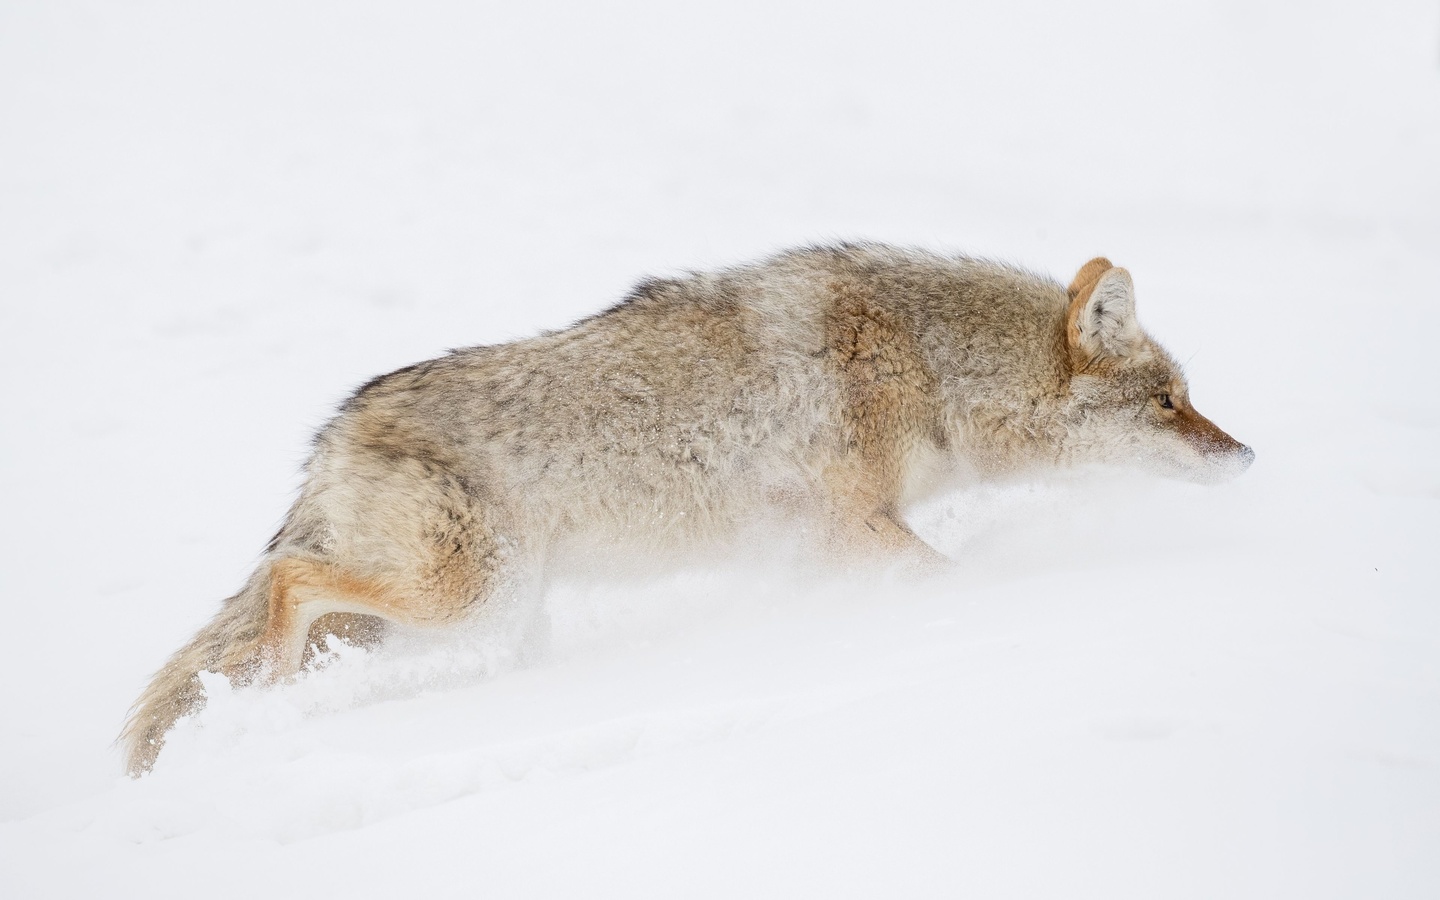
{"x": 228, "y": 644}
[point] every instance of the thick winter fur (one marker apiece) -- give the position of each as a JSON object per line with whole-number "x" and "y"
{"x": 829, "y": 385}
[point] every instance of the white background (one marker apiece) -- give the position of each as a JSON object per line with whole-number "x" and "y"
{"x": 216, "y": 219}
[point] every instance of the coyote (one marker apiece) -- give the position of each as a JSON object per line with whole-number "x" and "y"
{"x": 827, "y": 385}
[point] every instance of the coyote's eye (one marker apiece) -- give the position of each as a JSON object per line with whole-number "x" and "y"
{"x": 1164, "y": 401}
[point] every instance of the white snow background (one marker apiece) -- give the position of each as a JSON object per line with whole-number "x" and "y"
{"x": 216, "y": 219}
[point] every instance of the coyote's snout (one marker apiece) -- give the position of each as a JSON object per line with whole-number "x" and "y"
{"x": 832, "y": 385}
{"x": 1135, "y": 402}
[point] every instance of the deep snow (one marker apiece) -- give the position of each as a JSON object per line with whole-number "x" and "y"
{"x": 216, "y": 219}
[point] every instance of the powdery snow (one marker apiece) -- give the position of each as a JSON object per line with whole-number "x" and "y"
{"x": 217, "y": 219}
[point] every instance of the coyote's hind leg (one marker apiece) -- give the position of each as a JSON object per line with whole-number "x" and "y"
{"x": 302, "y": 590}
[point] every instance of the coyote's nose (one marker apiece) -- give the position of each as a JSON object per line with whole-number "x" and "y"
{"x": 1247, "y": 456}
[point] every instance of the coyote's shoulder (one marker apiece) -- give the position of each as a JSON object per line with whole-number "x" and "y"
{"x": 828, "y": 385}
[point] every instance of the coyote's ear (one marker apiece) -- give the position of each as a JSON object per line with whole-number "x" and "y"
{"x": 1089, "y": 274}
{"x": 1101, "y": 320}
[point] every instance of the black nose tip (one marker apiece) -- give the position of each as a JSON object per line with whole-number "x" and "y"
{"x": 1247, "y": 455}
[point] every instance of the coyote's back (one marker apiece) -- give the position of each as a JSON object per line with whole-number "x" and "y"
{"x": 828, "y": 386}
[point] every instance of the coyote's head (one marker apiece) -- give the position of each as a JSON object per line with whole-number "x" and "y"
{"x": 1128, "y": 400}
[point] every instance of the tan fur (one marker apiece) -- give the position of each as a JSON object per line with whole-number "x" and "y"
{"x": 302, "y": 591}
{"x": 1201, "y": 433}
{"x": 888, "y": 411}
{"x": 1081, "y": 286}
{"x": 828, "y": 385}
{"x": 1088, "y": 274}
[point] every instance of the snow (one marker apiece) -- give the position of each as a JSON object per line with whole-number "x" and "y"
{"x": 216, "y": 219}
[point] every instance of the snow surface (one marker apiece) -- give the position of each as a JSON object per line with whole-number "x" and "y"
{"x": 216, "y": 219}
